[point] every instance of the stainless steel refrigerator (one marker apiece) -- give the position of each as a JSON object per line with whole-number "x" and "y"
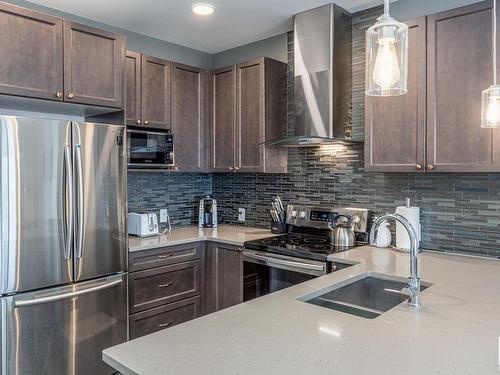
{"x": 63, "y": 245}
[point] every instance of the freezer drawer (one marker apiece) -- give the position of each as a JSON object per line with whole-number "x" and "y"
{"x": 62, "y": 331}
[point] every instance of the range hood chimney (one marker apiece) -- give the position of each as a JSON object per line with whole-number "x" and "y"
{"x": 322, "y": 77}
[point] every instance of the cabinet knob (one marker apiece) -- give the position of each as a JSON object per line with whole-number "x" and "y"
{"x": 430, "y": 167}
{"x": 236, "y": 168}
{"x": 165, "y": 256}
{"x": 138, "y": 122}
{"x": 59, "y": 94}
{"x": 166, "y": 285}
{"x": 176, "y": 168}
{"x": 146, "y": 122}
{"x": 231, "y": 168}
{"x": 163, "y": 325}
{"x": 71, "y": 95}
{"x": 419, "y": 167}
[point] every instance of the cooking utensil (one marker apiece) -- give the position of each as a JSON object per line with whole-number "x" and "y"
{"x": 343, "y": 235}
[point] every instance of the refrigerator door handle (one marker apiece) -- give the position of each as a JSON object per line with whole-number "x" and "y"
{"x": 58, "y": 297}
{"x": 80, "y": 199}
{"x": 69, "y": 199}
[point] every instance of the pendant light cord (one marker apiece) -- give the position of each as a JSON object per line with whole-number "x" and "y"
{"x": 386, "y": 6}
{"x": 494, "y": 42}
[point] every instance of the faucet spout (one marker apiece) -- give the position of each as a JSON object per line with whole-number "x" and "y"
{"x": 413, "y": 287}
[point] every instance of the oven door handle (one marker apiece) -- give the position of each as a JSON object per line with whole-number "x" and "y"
{"x": 283, "y": 262}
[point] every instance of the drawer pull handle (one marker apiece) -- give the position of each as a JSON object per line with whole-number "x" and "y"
{"x": 163, "y": 325}
{"x": 164, "y": 256}
{"x": 166, "y": 285}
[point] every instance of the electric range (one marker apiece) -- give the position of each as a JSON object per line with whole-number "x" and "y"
{"x": 274, "y": 263}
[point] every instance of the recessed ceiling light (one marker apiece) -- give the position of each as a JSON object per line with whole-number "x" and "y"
{"x": 203, "y": 9}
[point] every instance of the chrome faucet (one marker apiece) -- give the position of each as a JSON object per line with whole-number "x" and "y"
{"x": 413, "y": 288}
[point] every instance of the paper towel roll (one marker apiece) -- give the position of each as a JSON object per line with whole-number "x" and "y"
{"x": 412, "y": 214}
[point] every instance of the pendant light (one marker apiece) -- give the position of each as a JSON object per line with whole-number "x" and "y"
{"x": 490, "y": 98}
{"x": 387, "y": 56}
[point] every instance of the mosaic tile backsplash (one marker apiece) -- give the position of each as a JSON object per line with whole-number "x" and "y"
{"x": 460, "y": 213}
{"x": 180, "y": 193}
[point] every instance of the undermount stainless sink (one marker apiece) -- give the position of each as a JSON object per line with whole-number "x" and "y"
{"x": 368, "y": 297}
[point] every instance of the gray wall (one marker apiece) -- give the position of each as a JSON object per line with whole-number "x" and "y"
{"x": 136, "y": 42}
{"x": 274, "y": 47}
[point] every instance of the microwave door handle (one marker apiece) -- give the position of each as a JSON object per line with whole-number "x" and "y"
{"x": 68, "y": 199}
{"x": 80, "y": 197}
{"x": 283, "y": 262}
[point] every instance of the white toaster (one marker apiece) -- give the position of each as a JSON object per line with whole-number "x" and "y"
{"x": 142, "y": 225}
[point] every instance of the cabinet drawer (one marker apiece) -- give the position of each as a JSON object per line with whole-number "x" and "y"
{"x": 163, "y": 317}
{"x": 142, "y": 260}
{"x": 163, "y": 285}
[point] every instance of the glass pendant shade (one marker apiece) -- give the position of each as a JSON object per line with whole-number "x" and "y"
{"x": 490, "y": 107}
{"x": 387, "y": 57}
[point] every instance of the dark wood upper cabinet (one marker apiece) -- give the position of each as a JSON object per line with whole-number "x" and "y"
{"x": 32, "y": 53}
{"x": 155, "y": 92}
{"x": 224, "y": 277}
{"x": 190, "y": 117}
{"x": 395, "y": 126}
{"x": 94, "y": 66}
{"x": 459, "y": 68}
{"x": 133, "y": 88}
{"x": 249, "y": 109}
{"x": 223, "y": 119}
{"x": 250, "y": 116}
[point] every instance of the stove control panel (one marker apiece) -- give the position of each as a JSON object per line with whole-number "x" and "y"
{"x": 324, "y": 216}
{"x": 321, "y": 217}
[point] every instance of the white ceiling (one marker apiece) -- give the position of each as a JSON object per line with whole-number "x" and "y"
{"x": 234, "y": 23}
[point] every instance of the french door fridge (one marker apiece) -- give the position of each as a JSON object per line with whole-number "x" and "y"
{"x": 63, "y": 246}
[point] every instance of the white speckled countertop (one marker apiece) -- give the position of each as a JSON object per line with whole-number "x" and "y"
{"x": 230, "y": 234}
{"x": 456, "y": 332}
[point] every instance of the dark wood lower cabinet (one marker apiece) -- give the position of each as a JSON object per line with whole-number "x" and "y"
{"x": 223, "y": 276}
{"x": 174, "y": 284}
{"x": 163, "y": 317}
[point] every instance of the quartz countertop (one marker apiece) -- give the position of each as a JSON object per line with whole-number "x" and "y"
{"x": 456, "y": 332}
{"x": 230, "y": 234}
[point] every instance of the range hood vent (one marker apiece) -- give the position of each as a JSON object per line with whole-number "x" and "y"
{"x": 322, "y": 77}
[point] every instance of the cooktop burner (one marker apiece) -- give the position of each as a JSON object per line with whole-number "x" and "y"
{"x": 303, "y": 245}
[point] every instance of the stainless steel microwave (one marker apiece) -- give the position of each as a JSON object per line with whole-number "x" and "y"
{"x": 150, "y": 149}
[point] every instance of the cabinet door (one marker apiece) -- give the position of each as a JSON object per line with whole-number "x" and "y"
{"x": 459, "y": 68}
{"x": 395, "y": 126}
{"x": 224, "y": 277}
{"x": 94, "y": 63}
{"x": 189, "y": 120}
{"x": 223, "y": 119}
{"x": 155, "y": 92}
{"x": 250, "y": 117}
{"x": 31, "y": 45}
{"x": 133, "y": 88}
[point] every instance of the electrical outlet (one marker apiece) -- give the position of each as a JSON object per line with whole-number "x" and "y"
{"x": 241, "y": 214}
{"x": 163, "y": 215}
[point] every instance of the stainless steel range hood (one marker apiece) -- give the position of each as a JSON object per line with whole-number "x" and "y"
{"x": 322, "y": 77}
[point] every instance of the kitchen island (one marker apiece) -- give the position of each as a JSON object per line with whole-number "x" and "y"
{"x": 456, "y": 332}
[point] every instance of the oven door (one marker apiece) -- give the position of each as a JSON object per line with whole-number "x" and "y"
{"x": 265, "y": 273}
{"x": 148, "y": 149}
